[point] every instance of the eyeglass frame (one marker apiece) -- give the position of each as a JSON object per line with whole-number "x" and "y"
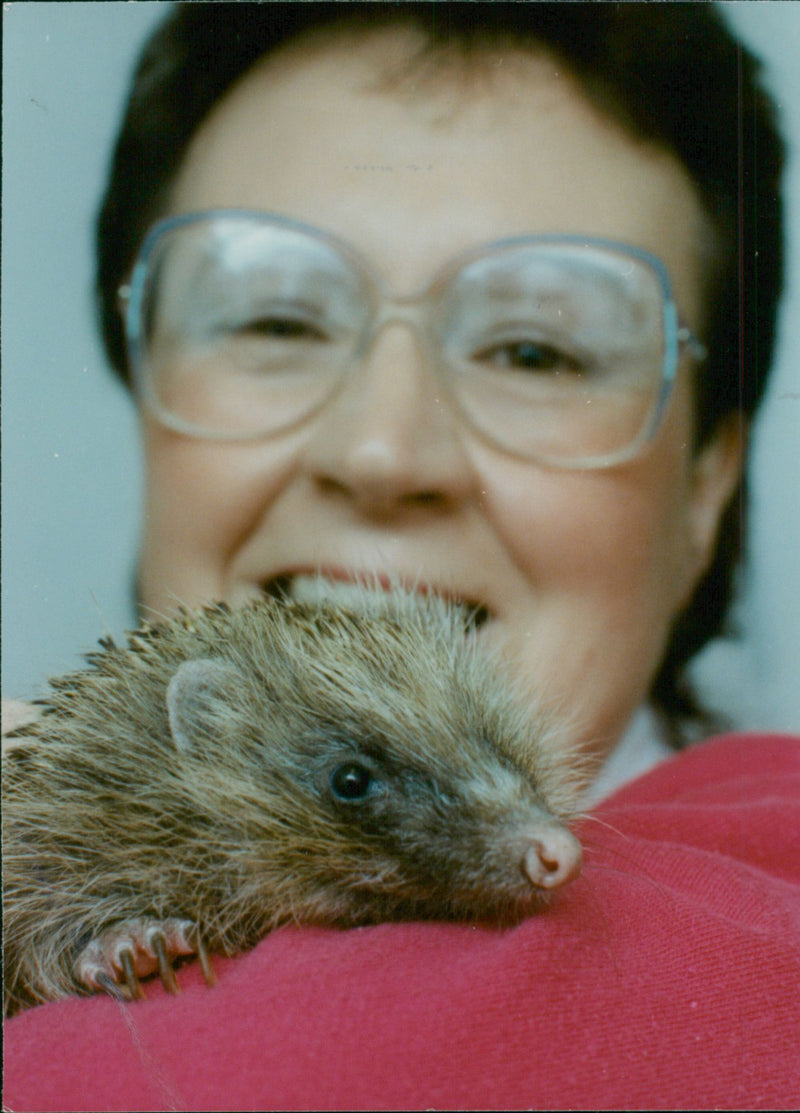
{"x": 678, "y": 337}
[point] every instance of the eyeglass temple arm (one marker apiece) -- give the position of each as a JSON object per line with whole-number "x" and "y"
{"x": 687, "y": 339}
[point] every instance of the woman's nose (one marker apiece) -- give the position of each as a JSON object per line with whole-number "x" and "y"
{"x": 389, "y": 440}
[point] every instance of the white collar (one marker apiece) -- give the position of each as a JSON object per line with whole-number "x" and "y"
{"x": 641, "y": 748}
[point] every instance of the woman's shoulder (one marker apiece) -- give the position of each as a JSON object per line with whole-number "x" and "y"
{"x": 728, "y": 767}
{"x": 666, "y": 974}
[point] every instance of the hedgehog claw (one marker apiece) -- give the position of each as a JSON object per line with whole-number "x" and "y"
{"x": 165, "y": 971}
{"x": 132, "y": 983}
{"x": 205, "y": 961}
{"x": 119, "y": 957}
{"x": 109, "y": 986}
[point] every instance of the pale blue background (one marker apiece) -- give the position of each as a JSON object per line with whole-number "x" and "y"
{"x": 70, "y": 456}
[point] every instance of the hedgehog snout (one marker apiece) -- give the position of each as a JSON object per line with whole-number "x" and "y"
{"x": 551, "y": 857}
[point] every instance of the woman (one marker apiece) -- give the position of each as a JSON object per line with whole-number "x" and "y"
{"x": 578, "y": 606}
{"x": 378, "y": 196}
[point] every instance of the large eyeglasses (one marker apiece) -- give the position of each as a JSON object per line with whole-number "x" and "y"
{"x": 558, "y": 349}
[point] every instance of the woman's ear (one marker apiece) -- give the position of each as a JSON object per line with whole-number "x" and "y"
{"x": 714, "y": 476}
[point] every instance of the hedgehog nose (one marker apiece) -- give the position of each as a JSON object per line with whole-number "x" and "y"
{"x": 552, "y": 858}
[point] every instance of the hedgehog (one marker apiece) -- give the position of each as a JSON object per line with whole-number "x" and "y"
{"x": 225, "y": 772}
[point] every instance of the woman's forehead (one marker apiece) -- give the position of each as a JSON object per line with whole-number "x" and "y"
{"x": 414, "y": 169}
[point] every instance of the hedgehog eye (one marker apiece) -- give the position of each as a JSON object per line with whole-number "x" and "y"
{"x": 350, "y": 781}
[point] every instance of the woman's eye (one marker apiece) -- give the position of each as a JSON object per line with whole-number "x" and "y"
{"x": 280, "y": 328}
{"x": 527, "y": 355}
{"x": 351, "y": 781}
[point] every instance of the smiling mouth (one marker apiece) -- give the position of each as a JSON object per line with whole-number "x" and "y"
{"x": 343, "y": 588}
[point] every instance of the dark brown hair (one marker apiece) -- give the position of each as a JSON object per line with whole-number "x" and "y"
{"x": 669, "y": 73}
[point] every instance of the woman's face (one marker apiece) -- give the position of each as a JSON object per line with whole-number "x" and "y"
{"x": 581, "y": 572}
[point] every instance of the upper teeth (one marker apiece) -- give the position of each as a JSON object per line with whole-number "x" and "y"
{"x": 316, "y": 590}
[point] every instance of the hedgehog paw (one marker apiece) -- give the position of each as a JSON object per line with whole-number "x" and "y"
{"x": 133, "y": 949}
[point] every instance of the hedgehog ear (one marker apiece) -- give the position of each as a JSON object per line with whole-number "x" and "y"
{"x": 194, "y": 695}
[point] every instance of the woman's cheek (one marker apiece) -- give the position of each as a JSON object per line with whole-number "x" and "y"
{"x": 202, "y": 501}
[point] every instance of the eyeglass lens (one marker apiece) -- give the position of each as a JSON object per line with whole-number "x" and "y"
{"x": 554, "y": 350}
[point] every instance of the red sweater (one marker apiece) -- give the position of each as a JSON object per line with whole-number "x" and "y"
{"x": 667, "y": 976}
